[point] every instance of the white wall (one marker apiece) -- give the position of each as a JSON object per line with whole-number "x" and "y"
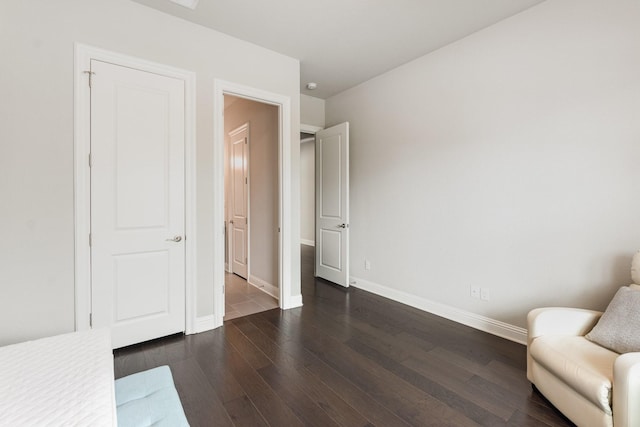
{"x": 507, "y": 160}
{"x": 36, "y": 129}
{"x": 263, "y": 191}
{"x": 312, "y": 110}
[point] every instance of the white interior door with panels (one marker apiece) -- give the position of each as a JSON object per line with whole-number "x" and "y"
{"x": 239, "y": 221}
{"x": 332, "y": 204}
{"x": 137, "y": 203}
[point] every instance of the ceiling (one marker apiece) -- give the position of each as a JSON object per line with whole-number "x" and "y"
{"x": 341, "y": 43}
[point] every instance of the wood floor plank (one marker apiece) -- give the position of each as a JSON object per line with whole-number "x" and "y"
{"x": 243, "y": 413}
{"x": 293, "y": 395}
{"x": 214, "y": 360}
{"x": 386, "y": 388}
{"x": 292, "y": 370}
{"x": 346, "y": 358}
{"x": 536, "y": 406}
{"x": 250, "y": 352}
{"x": 170, "y": 349}
{"x": 350, "y": 393}
{"x": 357, "y": 398}
{"x": 449, "y": 390}
{"x": 443, "y": 380}
{"x": 200, "y": 403}
{"x": 263, "y": 397}
{"x": 505, "y": 376}
{"x": 129, "y": 361}
{"x": 521, "y": 419}
{"x": 463, "y": 392}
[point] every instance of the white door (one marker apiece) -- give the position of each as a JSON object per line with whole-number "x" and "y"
{"x": 137, "y": 203}
{"x": 238, "y": 153}
{"x": 332, "y": 204}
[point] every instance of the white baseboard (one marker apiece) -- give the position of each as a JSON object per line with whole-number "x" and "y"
{"x": 205, "y": 323}
{"x": 264, "y": 286}
{"x": 482, "y": 323}
{"x": 307, "y": 242}
{"x": 295, "y": 301}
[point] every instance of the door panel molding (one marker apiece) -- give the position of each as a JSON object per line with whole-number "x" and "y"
{"x": 240, "y": 267}
{"x": 82, "y": 191}
{"x": 332, "y": 204}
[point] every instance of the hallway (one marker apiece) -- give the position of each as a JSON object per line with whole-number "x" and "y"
{"x": 243, "y": 299}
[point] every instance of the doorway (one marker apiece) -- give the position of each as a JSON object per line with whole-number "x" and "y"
{"x": 288, "y": 236}
{"x": 307, "y": 186}
{"x": 251, "y": 206}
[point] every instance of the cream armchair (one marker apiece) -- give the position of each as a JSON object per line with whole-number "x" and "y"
{"x": 591, "y": 385}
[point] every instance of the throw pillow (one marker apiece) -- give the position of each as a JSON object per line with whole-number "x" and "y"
{"x": 618, "y": 327}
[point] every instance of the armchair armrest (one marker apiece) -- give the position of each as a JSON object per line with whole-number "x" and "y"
{"x": 626, "y": 390}
{"x": 560, "y": 321}
{"x": 557, "y": 321}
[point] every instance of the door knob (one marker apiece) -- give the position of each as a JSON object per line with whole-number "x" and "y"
{"x": 342, "y": 226}
{"x": 175, "y": 239}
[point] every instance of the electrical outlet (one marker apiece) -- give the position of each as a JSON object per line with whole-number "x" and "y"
{"x": 475, "y": 292}
{"x": 484, "y": 294}
{"x": 367, "y": 264}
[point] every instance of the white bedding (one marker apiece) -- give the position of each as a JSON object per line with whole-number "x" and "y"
{"x": 66, "y": 380}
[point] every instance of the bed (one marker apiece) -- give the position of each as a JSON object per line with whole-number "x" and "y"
{"x": 62, "y": 380}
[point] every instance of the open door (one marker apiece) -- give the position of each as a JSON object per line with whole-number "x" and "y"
{"x": 239, "y": 199}
{"x": 332, "y": 204}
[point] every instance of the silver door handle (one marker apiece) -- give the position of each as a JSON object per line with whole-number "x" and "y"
{"x": 343, "y": 226}
{"x": 175, "y": 239}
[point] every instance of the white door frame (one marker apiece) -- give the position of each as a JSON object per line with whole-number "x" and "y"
{"x": 221, "y": 88}
{"x": 82, "y": 175}
{"x": 304, "y": 128}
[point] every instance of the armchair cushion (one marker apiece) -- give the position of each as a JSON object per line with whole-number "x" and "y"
{"x": 584, "y": 366}
{"x": 618, "y": 328}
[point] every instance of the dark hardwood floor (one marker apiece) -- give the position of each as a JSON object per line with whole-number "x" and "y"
{"x": 347, "y": 358}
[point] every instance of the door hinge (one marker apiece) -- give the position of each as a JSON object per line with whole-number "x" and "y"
{"x": 90, "y": 73}
{"x": 246, "y": 180}
{"x": 91, "y": 320}
{"x": 246, "y": 221}
{"x": 278, "y": 229}
{"x": 246, "y": 140}
{"x": 246, "y": 260}
{"x": 89, "y": 159}
{"x": 90, "y": 241}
